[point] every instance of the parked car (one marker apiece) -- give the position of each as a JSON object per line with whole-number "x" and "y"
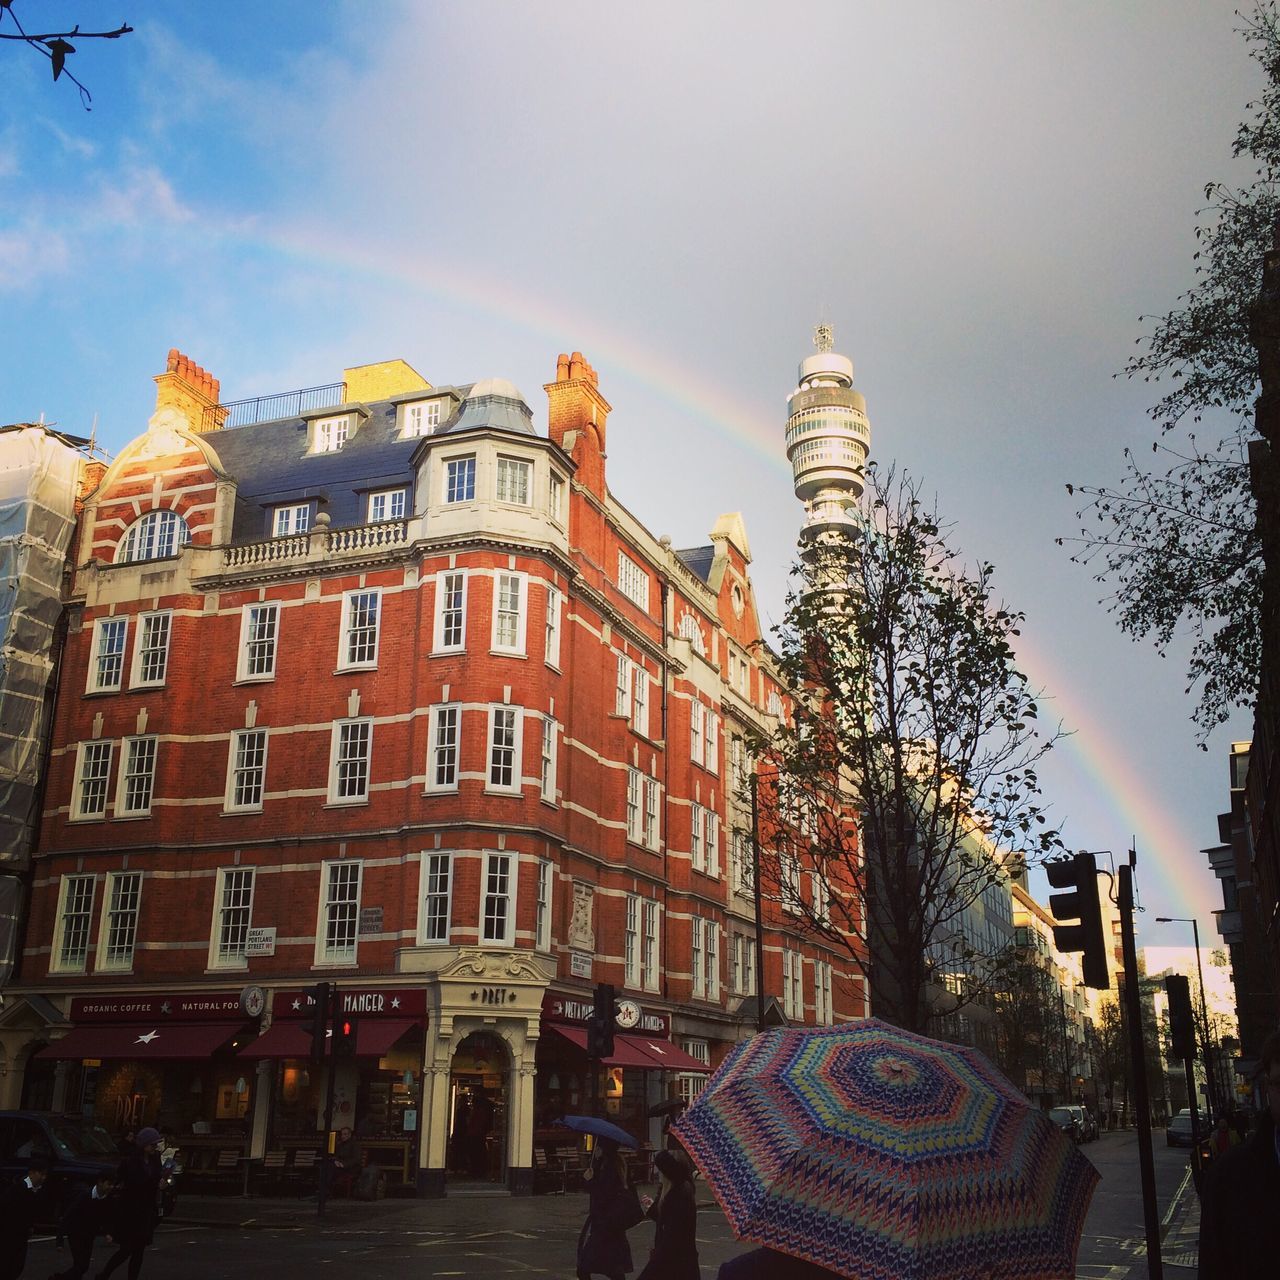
{"x": 1088, "y": 1125}
{"x": 77, "y": 1149}
{"x": 1177, "y": 1132}
{"x": 1067, "y": 1120}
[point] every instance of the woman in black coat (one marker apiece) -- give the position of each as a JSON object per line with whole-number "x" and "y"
{"x": 602, "y": 1246}
{"x": 675, "y": 1244}
{"x": 137, "y": 1208}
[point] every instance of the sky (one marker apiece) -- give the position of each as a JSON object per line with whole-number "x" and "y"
{"x": 983, "y": 199}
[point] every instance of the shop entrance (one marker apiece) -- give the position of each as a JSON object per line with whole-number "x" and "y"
{"x": 478, "y": 1078}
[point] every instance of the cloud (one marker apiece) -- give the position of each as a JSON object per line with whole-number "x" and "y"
{"x": 145, "y": 196}
{"x": 29, "y": 255}
{"x": 81, "y": 147}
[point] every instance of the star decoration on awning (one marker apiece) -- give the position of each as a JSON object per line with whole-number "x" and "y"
{"x": 147, "y": 1038}
{"x": 653, "y": 1048}
{"x": 395, "y": 1002}
{"x": 297, "y": 1004}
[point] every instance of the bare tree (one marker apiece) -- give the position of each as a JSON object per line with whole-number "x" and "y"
{"x": 56, "y": 45}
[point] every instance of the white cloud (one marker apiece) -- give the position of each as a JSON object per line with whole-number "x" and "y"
{"x": 145, "y": 196}
{"x": 81, "y": 147}
{"x": 29, "y": 255}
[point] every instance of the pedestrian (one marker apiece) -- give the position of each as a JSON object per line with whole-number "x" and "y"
{"x": 137, "y": 1204}
{"x": 769, "y": 1264}
{"x": 1222, "y": 1139}
{"x": 86, "y": 1218}
{"x": 675, "y": 1244}
{"x": 1239, "y": 1225}
{"x": 602, "y": 1244}
{"x": 18, "y": 1207}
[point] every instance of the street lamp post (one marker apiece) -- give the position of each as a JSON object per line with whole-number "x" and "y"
{"x": 1204, "y": 1008}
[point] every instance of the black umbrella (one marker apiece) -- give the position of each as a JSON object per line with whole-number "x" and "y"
{"x": 672, "y": 1107}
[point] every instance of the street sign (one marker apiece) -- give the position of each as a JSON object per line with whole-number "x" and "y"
{"x": 370, "y": 920}
{"x": 260, "y": 942}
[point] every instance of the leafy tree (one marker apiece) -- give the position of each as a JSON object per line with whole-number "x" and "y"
{"x": 1030, "y": 1021}
{"x": 910, "y": 711}
{"x": 1174, "y": 538}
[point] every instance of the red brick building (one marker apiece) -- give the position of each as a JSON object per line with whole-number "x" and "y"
{"x": 393, "y": 692}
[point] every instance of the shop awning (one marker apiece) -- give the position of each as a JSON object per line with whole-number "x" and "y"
{"x": 289, "y": 1039}
{"x": 648, "y": 1053}
{"x": 166, "y": 1042}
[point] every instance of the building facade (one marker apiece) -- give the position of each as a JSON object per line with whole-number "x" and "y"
{"x": 388, "y": 689}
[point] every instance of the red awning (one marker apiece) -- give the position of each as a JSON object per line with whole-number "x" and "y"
{"x": 163, "y": 1042}
{"x": 289, "y": 1039}
{"x": 648, "y": 1053}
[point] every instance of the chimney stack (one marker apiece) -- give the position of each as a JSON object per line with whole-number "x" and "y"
{"x": 192, "y": 391}
{"x": 576, "y": 418}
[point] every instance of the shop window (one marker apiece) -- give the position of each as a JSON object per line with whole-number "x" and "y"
{"x": 232, "y": 914}
{"x": 75, "y": 919}
{"x": 258, "y": 629}
{"x": 106, "y": 666}
{"x": 340, "y": 913}
{"x": 151, "y": 659}
{"x": 120, "y": 922}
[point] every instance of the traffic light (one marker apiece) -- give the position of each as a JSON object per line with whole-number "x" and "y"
{"x": 318, "y": 1027}
{"x": 344, "y": 1036}
{"x": 600, "y": 1024}
{"x": 1181, "y": 1027}
{"x": 1079, "y": 874}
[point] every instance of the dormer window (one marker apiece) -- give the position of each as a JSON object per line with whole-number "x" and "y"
{"x": 295, "y": 518}
{"x": 420, "y": 418}
{"x": 331, "y": 434}
{"x": 387, "y": 504}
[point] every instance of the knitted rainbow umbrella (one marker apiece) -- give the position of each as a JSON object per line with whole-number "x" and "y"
{"x": 884, "y": 1155}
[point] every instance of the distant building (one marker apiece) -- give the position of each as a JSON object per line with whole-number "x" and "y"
{"x": 379, "y": 685}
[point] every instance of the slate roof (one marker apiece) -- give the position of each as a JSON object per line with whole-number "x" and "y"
{"x": 698, "y": 560}
{"x": 271, "y": 464}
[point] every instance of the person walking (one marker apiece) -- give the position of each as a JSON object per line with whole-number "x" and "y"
{"x": 137, "y": 1210}
{"x": 18, "y": 1206}
{"x": 86, "y": 1218}
{"x": 1239, "y": 1225}
{"x": 602, "y": 1245}
{"x": 675, "y": 1242}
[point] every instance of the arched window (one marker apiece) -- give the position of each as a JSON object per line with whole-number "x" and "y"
{"x": 692, "y": 632}
{"x": 775, "y": 704}
{"x": 153, "y": 537}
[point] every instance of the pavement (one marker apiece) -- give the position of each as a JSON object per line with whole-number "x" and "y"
{"x": 412, "y": 1218}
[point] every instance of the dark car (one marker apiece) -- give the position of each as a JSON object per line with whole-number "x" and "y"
{"x": 77, "y": 1150}
{"x": 1066, "y": 1120}
{"x": 1177, "y": 1132}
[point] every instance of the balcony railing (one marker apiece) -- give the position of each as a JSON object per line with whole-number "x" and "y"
{"x": 283, "y": 404}
{"x": 381, "y": 536}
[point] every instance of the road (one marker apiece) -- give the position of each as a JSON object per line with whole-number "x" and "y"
{"x": 486, "y": 1237}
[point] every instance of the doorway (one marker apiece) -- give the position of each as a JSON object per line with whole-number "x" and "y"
{"x": 478, "y": 1078}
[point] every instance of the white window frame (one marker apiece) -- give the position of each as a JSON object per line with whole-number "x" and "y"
{"x": 555, "y": 606}
{"x": 821, "y": 898}
{"x": 444, "y": 716}
{"x": 490, "y": 890}
{"x": 452, "y": 494}
{"x": 102, "y": 775}
{"x": 507, "y": 467}
{"x": 650, "y": 945}
{"x": 634, "y": 800}
{"x": 437, "y": 890}
{"x": 711, "y": 840}
{"x": 254, "y": 630}
{"x": 622, "y": 686}
{"x": 330, "y": 435}
{"x": 144, "y": 645}
{"x": 743, "y": 962}
{"x": 542, "y": 916}
{"x": 692, "y": 1083}
{"x": 383, "y": 504}
{"x": 504, "y": 582}
{"x": 158, "y": 535}
{"x": 347, "y": 632}
{"x": 697, "y": 970}
{"x": 651, "y": 821}
{"x": 220, "y": 956}
{"x": 337, "y": 759}
{"x": 290, "y": 520}
{"x": 419, "y": 418}
{"x": 697, "y": 857}
{"x": 711, "y": 946}
{"x": 236, "y": 766}
{"x": 133, "y": 750}
{"x": 697, "y": 731}
{"x": 557, "y": 487}
{"x": 58, "y": 961}
{"x": 691, "y": 630}
{"x": 711, "y": 729}
{"x": 789, "y": 883}
{"x": 334, "y": 909}
{"x": 109, "y": 659}
{"x": 737, "y": 764}
{"x": 516, "y": 747}
{"x": 793, "y": 984}
{"x": 124, "y": 918}
{"x": 640, "y": 700}
{"x": 444, "y": 595}
{"x": 631, "y": 944}
{"x": 823, "y": 1011}
{"x": 633, "y": 581}
{"x": 550, "y": 736}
